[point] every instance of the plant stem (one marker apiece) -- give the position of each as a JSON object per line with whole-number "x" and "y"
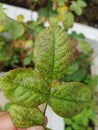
{"x": 45, "y": 108}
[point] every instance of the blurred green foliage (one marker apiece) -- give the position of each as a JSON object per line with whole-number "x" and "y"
{"x": 16, "y": 47}
{"x": 17, "y": 37}
{"x": 80, "y": 71}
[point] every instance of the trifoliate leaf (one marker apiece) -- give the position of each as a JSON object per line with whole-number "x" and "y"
{"x": 52, "y": 53}
{"x": 25, "y": 87}
{"x": 70, "y": 99}
{"x": 76, "y": 8}
{"x": 26, "y": 117}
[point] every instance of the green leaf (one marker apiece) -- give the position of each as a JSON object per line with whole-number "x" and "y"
{"x": 47, "y": 128}
{"x": 2, "y": 16}
{"x": 17, "y": 30}
{"x": 79, "y": 75}
{"x": 0, "y": 6}
{"x": 75, "y": 126}
{"x": 25, "y": 87}
{"x": 61, "y": 2}
{"x": 69, "y": 128}
{"x": 76, "y": 8}
{"x": 74, "y": 67}
{"x": 68, "y": 20}
{"x": 7, "y": 106}
{"x": 68, "y": 121}
{"x": 85, "y": 121}
{"x": 1, "y": 108}
{"x": 84, "y": 45}
{"x": 27, "y": 61}
{"x": 52, "y": 53}
{"x": 77, "y": 36}
{"x": 26, "y": 117}
{"x": 7, "y": 25}
{"x": 43, "y": 12}
{"x": 81, "y": 36}
{"x": 69, "y": 99}
{"x": 81, "y": 3}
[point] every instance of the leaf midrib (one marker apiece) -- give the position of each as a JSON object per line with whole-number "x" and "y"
{"x": 53, "y": 55}
{"x": 65, "y": 99}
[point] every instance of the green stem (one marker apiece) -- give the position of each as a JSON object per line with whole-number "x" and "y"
{"x": 45, "y": 108}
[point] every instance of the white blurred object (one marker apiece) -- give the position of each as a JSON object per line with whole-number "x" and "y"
{"x": 54, "y": 121}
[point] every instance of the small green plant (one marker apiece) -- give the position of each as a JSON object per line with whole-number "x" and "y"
{"x": 16, "y": 41}
{"x": 61, "y": 11}
{"x": 81, "y": 121}
{"x": 79, "y": 71}
{"x": 27, "y": 88}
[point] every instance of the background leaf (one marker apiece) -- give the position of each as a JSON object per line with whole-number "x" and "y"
{"x": 52, "y": 53}
{"x": 76, "y": 8}
{"x": 2, "y": 16}
{"x": 70, "y": 99}
{"x": 7, "y": 106}
{"x": 25, "y": 87}
{"x": 1, "y": 108}
{"x": 26, "y": 117}
{"x": 68, "y": 20}
{"x": 81, "y": 3}
{"x": 17, "y": 29}
{"x": 84, "y": 46}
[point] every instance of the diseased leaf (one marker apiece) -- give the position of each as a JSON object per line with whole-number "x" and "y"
{"x": 26, "y": 117}
{"x": 25, "y": 87}
{"x": 52, "y": 53}
{"x": 70, "y": 99}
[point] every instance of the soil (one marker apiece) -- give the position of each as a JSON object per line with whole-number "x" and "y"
{"x": 89, "y": 17}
